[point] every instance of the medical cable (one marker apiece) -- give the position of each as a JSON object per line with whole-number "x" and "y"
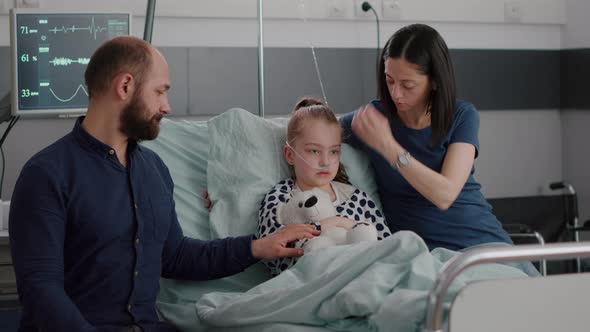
{"x": 11, "y": 124}
{"x": 317, "y": 168}
{"x": 366, "y": 6}
{"x": 311, "y": 46}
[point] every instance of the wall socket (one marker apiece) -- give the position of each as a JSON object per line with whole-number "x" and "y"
{"x": 358, "y": 8}
{"x": 392, "y": 10}
{"x": 337, "y": 8}
{"x": 513, "y": 11}
{"x": 5, "y": 5}
{"x": 27, "y": 3}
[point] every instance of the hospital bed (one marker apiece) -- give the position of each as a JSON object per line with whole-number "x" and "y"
{"x": 542, "y": 304}
{"x": 241, "y": 148}
{"x": 197, "y": 154}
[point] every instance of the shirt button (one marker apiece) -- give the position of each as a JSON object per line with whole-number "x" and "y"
{"x": 111, "y": 152}
{"x": 129, "y": 307}
{"x": 135, "y": 206}
{"x": 137, "y": 241}
{"x": 136, "y": 273}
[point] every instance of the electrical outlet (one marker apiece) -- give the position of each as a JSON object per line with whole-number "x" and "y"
{"x": 512, "y": 11}
{"x": 358, "y": 8}
{"x": 5, "y": 6}
{"x": 27, "y": 3}
{"x": 337, "y": 9}
{"x": 392, "y": 10}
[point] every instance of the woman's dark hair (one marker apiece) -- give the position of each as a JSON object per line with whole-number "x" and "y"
{"x": 314, "y": 109}
{"x": 423, "y": 46}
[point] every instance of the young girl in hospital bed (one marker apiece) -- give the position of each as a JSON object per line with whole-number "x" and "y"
{"x": 312, "y": 150}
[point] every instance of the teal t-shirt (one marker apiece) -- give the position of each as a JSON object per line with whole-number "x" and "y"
{"x": 469, "y": 221}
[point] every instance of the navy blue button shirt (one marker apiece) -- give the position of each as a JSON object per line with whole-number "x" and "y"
{"x": 90, "y": 238}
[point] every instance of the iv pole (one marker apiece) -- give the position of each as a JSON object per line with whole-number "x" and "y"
{"x": 260, "y": 61}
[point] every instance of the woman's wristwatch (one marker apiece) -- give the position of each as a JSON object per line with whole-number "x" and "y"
{"x": 403, "y": 160}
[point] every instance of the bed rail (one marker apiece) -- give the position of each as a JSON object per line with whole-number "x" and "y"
{"x": 476, "y": 256}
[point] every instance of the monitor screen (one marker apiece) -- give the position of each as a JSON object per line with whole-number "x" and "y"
{"x": 49, "y": 54}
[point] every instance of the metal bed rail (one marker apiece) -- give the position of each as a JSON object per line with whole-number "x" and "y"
{"x": 436, "y": 297}
{"x": 541, "y": 241}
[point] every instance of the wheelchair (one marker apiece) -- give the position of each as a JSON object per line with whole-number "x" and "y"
{"x": 544, "y": 219}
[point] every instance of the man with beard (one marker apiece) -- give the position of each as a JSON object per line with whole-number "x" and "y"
{"x": 92, "y": 221}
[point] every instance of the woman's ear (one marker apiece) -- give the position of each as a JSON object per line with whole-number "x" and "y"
{"x": 434, "y": 86}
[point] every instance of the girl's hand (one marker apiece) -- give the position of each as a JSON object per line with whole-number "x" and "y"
{"x": 208, "y": 203}
{"x": 373, "y": 129}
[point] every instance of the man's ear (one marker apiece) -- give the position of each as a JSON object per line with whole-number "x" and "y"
{"x": 288, "y": 154}
{"x": 124, "y": 84}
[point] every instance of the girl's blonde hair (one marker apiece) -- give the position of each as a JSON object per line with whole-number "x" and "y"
{"x": 309, "y": 108}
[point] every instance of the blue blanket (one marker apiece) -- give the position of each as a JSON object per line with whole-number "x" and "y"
{"x": 377, "y": 286}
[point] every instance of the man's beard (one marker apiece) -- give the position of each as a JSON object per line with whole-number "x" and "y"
{"x": 134, "y": 124}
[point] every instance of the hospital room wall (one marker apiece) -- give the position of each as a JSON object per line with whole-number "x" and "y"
{"x": 516, "y": 131}
{"x": 575, "y": 115}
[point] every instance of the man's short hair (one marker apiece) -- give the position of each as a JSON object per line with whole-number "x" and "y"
{"x": 118, "y": 55}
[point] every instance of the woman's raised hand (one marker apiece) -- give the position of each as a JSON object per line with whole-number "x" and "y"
{"x": 373, "y": 128}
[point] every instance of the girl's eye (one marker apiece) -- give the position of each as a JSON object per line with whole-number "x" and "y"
{"x": 314, "y": 151}
{"x": 335, "y": 152}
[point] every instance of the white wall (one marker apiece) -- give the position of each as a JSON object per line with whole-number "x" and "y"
{"x": 576, "y": 155}
{"x": 514, "y": 160}
{"x": 575, "y": 31}
{"x": 463, "y": 23}
{"x": 575, "y": 123}
{"x": 519, "y": 152}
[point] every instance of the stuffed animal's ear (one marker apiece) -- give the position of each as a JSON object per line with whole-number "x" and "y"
{"x": 287, "y": 213}
{"x": 281, "y": 213}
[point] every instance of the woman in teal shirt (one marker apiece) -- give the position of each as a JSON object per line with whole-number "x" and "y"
{"x": 422, "y": 143}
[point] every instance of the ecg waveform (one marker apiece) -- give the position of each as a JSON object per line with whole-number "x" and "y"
{"x": 68, "y": 61}
{"x": 93, "y": 29}
{"x": 80, "y": 87}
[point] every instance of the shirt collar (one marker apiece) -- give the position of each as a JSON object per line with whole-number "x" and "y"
{"x": 89, "y": 141}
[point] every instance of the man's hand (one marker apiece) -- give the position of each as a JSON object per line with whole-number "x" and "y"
{"x": 275, "y": 245}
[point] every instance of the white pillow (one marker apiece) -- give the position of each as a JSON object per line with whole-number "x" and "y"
{"x": 238, "y": 157}
{"x": 246, "y": 161}
{"x": 184, "y": 148}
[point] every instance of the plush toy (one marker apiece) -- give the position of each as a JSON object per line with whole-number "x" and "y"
{"x": 315, "y": 205}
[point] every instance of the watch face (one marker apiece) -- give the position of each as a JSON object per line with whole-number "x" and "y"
{"x": 403, "y": 159}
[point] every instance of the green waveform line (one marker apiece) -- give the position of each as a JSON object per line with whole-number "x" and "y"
{"x": 72, "y": 97}
{"x": 93, "y": 29}
{"x": 68, "y": 61}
